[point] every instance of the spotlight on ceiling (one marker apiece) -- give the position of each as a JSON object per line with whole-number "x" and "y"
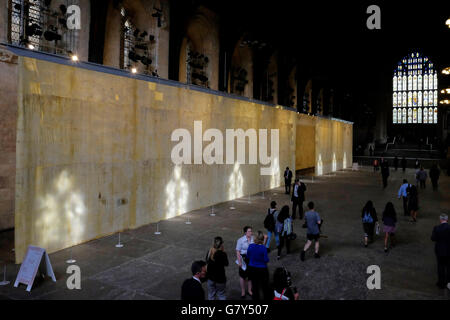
{"x": 133, "y": 56}
{"x": 33, "y": 30}
{"x": 146, "y": 61}
{"x": 52, "y": 36}
{"x": 447, "y": 23}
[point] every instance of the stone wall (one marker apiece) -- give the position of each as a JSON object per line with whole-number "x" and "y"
{"x": 94, "y": 153}
{"x": 305, "y": 142}
{"x": 333, "y": 145}
{"x": 8, "y": 111}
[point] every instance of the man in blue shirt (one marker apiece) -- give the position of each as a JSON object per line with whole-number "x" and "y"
{"x": 402, "y": 192}
{"x": 313, "y": 222}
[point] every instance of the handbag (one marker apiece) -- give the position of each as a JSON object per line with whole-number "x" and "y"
{"x": 377, "y": 229}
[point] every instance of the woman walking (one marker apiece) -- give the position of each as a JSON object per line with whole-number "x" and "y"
{"x": 257, "y": 267}
{"x": 389, "y": 225}
{"x": 284, "y": 224}
{"x": 369, "y": 219}
{"x": 216, "y": 260}
{"x": 413, "y": 202}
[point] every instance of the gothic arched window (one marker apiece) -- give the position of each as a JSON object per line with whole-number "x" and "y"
{"x": 414, "y": 85}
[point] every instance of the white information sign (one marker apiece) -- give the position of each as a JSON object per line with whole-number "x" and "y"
{"x": 30, "y": 266}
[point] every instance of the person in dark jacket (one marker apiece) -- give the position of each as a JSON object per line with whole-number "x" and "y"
{"x": 217, "y": 260}
{"x": 441, "y": 237}
{"x": 384, "y": 172}
{"x": 413, "y": 202}
{"x": 287, "y": 180}
{"x": 396, "y": 163}
{"x": 298, "y": 196}
{"x": 284, "y": 236}
{"x": 282, "y": 286}
{"x": 389, "y": 225}
{"x": 192, "y": 289}
{"x": 269, "y": 224}
{"x": 257, "y": 267}
{"x": 369, "y": 219}
{"x": 434, "y": 176}
{"x": 404, "y": 164}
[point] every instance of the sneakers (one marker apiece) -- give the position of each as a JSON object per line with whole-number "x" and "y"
{"x": 385, "y": 250}
{"x": 302, "y": 255}
{"x": 316, "y": 255}
{"x": 278, "y": 257}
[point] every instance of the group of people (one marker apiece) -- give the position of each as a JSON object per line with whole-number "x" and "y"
{"x": 252, "y": 259}
{"x": 252, "y": 250}
{"x": 370, "y": 224}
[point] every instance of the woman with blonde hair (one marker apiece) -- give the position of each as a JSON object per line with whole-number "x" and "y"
{"x": 216, "y": 260}
{"x": 257, "y": 266}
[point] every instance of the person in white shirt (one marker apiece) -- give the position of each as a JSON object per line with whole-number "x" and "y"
{"x": 403, "y": 193}
{"x": 242, "y": 260}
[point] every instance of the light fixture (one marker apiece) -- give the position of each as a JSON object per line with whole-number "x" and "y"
{"x": 133, "y": 70}
{"x": 30, "y": 46}
{"x": 447, "y": 23}
{"x": 74, "y": 58}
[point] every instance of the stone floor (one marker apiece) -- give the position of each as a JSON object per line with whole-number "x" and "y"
{"x": 153, "y": 266}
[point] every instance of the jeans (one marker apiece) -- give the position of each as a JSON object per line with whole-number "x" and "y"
{"x": 269, "y": 236}
{"x": 216, "y": 289}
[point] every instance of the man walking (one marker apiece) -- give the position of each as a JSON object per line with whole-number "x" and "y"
{"x": 441, "y": 237}
{"x": 269, "y": 224}
{"x": 434, "y": 176}
{"x": 422, "y": 177}
{"x": 402, "y": 192}
{"x": 287, "y": 180}
{"x": 313, "y": 222}
{"x": 404, "y": 164}
{"x": 396, "y": 163}
{"x": 298, "y": 196}
{"x": 384, "y": 172}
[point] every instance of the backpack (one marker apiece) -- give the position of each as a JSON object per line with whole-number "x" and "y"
{"x": 367, "y": 218}
{"x": 269, "y": 221}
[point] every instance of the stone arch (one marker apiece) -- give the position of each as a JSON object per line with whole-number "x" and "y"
{"x": 241, "y": 64}
{"x": 139, "y": 13}
{"x": 292, "y": 89}
{"x": 307, "y": 97}
{"x": 202, "y": 36}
